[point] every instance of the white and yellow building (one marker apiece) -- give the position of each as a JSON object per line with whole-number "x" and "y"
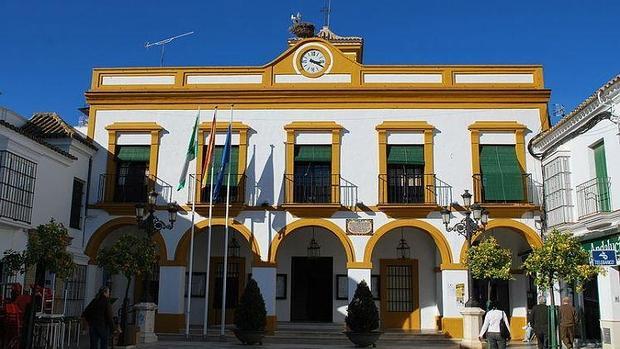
{"x": 355, "y": 156}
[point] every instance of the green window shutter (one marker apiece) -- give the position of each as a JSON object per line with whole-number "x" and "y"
{"x": 502, "y": 178}
{"x": 405, "y": 155}
{"x": 600, "y": 165}
{"x": 313, "y": 153}
{"x": 134, "y": 153}
{"x": 233, "y": 165}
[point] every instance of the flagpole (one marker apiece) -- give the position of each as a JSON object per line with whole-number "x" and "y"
{"x": 206, "y": 303}
{"x": 191, "y": 241}
{"x": 225, "y": 275}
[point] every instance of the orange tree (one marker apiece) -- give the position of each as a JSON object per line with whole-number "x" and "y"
{"x": 488, "y": 261}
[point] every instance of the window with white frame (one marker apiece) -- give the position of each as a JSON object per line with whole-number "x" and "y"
{"x": 557, "y": 191}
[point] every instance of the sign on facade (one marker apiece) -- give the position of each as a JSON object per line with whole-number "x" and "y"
{"x": 358, "y": 226}
{"x": 604, "y": 257}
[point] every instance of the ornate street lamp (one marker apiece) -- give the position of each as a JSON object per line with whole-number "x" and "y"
{"x": 314, "y": 249}
{"x": 403, "y": 250}
{"x": 476, "y": 219}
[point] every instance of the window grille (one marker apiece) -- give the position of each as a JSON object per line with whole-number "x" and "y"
{"x": 558, "y": 191}
{"x": 17, "y": 180}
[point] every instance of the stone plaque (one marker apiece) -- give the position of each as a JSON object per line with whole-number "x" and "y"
{"x": 606, "y": 335}
{"x": 356, "y": 226}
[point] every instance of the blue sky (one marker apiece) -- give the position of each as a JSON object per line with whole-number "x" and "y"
{"x": 48, "y": 48}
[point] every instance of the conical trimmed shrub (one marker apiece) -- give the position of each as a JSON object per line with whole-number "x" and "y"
{"x": 251, "y": 314}
{"x": 362, "y": 313}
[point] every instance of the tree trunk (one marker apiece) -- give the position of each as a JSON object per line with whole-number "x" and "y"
{"x": 489, "y": 284}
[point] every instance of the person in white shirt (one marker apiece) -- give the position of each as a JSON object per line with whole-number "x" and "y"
{"x": 492, "y": 327}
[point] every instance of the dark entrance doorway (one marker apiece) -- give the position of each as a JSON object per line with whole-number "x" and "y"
{"x": 591, "y": 312}
{"x": 311, "y": 289}
{"x": 500, "y": 294}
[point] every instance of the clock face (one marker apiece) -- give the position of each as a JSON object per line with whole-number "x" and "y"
{"x": 313, "y": 61}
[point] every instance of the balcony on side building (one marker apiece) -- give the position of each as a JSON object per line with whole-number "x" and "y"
{"x": 412, "y": 194}
{"x": 593, "y": 196}
{"x": 507, "y": 193}
{"x": 17, "y": 183}
{"x": 118, "y": 193}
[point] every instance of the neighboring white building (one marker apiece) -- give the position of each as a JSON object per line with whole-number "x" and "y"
{"x": 44, "y": 166}
{"x": 581, "y": 173}
{"x": 325, "y": 147}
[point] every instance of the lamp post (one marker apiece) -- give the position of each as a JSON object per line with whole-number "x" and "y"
{"x": 476, "y": 218}
{"x": 150, "y": 223}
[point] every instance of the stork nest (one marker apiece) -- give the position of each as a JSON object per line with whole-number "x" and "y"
{"x": 302, "y": 30}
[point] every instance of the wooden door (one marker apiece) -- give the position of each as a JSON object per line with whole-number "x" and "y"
{"x": 234, "y": 288}
{"x": 400, "y": 304}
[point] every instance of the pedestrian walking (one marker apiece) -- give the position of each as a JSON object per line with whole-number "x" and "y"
{"x": 568, "y": 321}
{"x": 99, "y": 317}
{"x": 495, "y": 327}
{"x": 540, "y": 322}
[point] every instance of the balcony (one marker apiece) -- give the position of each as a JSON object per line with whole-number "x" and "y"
{"x": 236, "y": 197}
{"x": 318, "y": 194}
{"x": 507, "y": 195}
{"x": 118, "y": 194}
{"x": 17, "y": 182}
{"x": 593, "y": 196}
{"x": 412, "y": 195}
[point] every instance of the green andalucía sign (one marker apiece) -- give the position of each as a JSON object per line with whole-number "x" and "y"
{"x": 604, "y": 243}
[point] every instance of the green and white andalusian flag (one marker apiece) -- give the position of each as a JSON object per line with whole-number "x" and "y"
{"x": 192, "y": 150}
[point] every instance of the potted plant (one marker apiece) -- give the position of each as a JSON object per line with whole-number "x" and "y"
{"x": 250, "y": 315}
{"x": 362, "y": 318}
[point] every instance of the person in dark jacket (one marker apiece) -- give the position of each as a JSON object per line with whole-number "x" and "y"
{"x": 540, "y": 322}
{"x": 98, "y": 314}
{"x": 568, "y": 320}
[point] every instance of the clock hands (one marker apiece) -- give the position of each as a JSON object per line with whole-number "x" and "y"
{"x": 316, "y": 62}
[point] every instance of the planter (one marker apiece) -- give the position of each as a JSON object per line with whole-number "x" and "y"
{"x": 249, "y": 336}
{"x": 363, "y": 339}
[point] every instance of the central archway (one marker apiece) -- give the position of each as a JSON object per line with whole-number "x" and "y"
{"x": 440, "y": 241}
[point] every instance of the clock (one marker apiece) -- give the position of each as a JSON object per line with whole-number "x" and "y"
{"x": 313, "y": 62}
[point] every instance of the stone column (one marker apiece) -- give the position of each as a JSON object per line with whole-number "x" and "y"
{"x": 472, "y": 322}
{"x": 266, "y": 279}
{"x": 170, "y": 316}
{"x": 355, "y": 276}
{"x": 609, "y": 304}
{"x": 145, "y": 321}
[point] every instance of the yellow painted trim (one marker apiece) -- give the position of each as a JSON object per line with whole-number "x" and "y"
{"x": 530, "y": 235}
{"x": 169, "y": 323}
{"x": 440, "y": 240}
{"x": 290, "y": 228}
{"x": 318, "y": 126}
{"x": 220, "y": 126}
{"x": 400, "y": 319}
{"x": 502, "y": 126}
{"x": 410, "y": 126}
{"x": 151, "y": 128}
{"x": 182, "y": 249}
{"x": 96, "y": 239}
{"x": 452, "y": 326}
{"x": 516, "y": 327}
{"x": 271, "y": 324}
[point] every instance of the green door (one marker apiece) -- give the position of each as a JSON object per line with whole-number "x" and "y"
{"x": 502, "y": 177}
{"x": 601, "y": 177}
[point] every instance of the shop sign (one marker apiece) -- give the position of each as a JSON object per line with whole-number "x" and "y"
{"x": 358, "y": 226}
{"x": 604, "y": 257}
{"x": 603, "y": 243}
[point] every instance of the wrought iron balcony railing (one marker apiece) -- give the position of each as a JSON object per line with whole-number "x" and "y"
{"x": 319, "y": 189}
{"x": 237, "y": 189}
{"x": 593, "y": 196}
{"x": 132, "y": 189}
{"x": 414, "y": 189}
{"x": 17, "y": 182}
{"x": 506, "y": 189}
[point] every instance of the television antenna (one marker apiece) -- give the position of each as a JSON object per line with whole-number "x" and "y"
{"x": 327, "y": 11}
{"x": 163, "y": 43}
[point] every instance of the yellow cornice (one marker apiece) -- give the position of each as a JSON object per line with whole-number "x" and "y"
{"x": 404, "y": 125}
{"x": 313, "y": 126}
{"x": 134, "y": 126}
{"x": 497, "y": 126}
{"x": 223, "y": 126}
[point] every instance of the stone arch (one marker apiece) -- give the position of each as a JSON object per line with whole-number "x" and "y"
{"x": 97, "y": 238}
{"x": 530, "y": 235}
{"x": 312, "y": 222}
{"x": 440, "y": 240}
{"x": 182, "y": 250}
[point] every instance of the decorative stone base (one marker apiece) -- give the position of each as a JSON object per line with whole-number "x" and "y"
{"x": 145, "y": 321}
{"x": 472, "y": 322}
{"x": 610, "y": 334}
